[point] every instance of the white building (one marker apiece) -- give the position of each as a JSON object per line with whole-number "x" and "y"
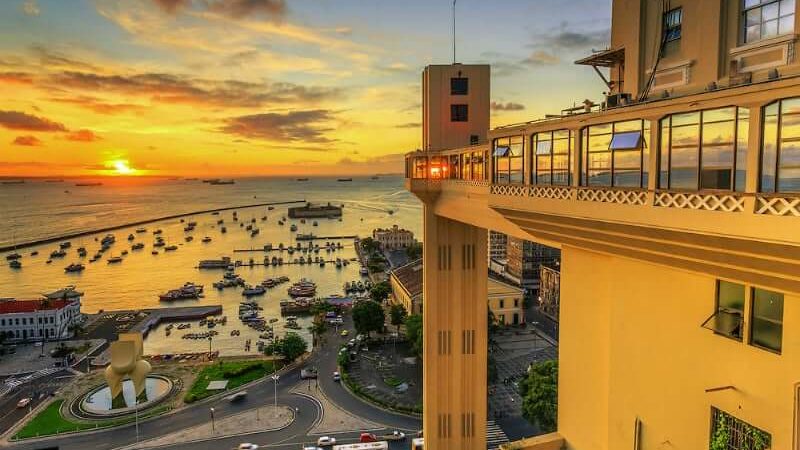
{"x": 39, "y": 319}
{"x": 393, "y": 238}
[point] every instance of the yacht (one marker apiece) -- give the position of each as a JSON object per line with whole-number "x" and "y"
{"x": 158, "y": 231}
{"x": 14, "y": 256}
{"x": 82, "y": 252}
{"x": 108, "y": 239}
{"x": 65, "y": 245}
{"x": 74, "y": 268}
{"x": 250, "y": 291}
{"x": 131, "y": 237}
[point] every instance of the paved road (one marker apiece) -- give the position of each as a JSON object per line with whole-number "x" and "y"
{"x": 260, "y": 394}
{"x": 38, "y": 390}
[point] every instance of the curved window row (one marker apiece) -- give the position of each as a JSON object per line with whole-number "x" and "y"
{"x": 704, "y": 149}
{"x": 551, "y": 163}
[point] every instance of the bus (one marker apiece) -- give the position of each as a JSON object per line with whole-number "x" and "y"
{"x": 417, "y": 443}
{"x": 379, "y": 445}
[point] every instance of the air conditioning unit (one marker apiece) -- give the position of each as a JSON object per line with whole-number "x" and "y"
{"x": 620, "y": 99}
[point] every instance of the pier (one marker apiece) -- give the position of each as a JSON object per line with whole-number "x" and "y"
{"x": 323, "y": 238}
{"x": 137, "y": 223}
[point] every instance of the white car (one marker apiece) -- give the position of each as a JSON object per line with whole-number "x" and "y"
{"x": 395, "y": 436}
{"x": 326, "y": 441}
{"x": 247, "y": 446}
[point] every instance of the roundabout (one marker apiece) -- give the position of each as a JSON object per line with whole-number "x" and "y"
{"x": 96, "y": 403}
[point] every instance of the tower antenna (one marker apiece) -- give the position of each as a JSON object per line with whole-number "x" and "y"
{"x": 454, "y": 31}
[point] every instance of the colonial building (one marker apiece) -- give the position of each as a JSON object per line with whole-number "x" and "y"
{"x": 406, "y": 282}
{"x": 393, "y": 238}
{"x": 506, "y": 302}
{"x": 39, "y": 319}
{"x": 549, "y": 290}
{"x": 675, "y": 202}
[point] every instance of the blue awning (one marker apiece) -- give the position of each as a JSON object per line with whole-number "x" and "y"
{"x": 501, "y": 151}
{"x": 626, "y": 141}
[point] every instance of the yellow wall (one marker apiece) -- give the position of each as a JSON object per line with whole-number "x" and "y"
{"x": 632, "y": 346}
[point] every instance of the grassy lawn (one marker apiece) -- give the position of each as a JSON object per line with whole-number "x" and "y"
{"x": 237, "y": 374}
{"x": 393, "y": 381}
{"x": 49, "y": 421}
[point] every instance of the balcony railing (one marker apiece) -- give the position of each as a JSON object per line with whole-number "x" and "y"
{"x": 729, "y": 202}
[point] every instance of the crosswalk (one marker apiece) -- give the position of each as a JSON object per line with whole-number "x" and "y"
{"x": 11, "y": 383}
{"x": 494, "y": 435}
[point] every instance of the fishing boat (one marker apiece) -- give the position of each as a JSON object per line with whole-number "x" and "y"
{"x": 15, "y": 264}
{"x": 206, "y": 240}
{"x": 344, "y": 179}
{"x": 154, "y": 252}
{"x": 108, "y": 239}
{"x": 131, "y": 237}
{"x": 14, "y": 256}
{"x": 189, "y": 238}
{"x": 115, "y": 259}
{"x": 34, "y": 253}
{"x": 137, "y": 246}
{"x": 293, "y": 227}
{"x": 302, "y": 288}
{"x": 223, "y": 230}
{"x": 170, "y": 248}
{"x": 82, "y": 252}
{"x": 187, "y": 291}
{"x": 58, "y": 254}
{"x": 65, "y": 245}
{"x": 250, "y": 291}
{"x": 158, "y": 231}
{"x": 141, "y": 230}
{"x": 74, "y": 267}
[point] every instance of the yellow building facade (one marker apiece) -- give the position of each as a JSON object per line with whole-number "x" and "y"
{"x": 505, "y": 302}
{"x": 676, "y": 205}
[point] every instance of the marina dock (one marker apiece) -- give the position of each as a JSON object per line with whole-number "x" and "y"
{"x": 155, "y": 316}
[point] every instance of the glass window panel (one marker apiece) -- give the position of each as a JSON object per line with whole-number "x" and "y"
{"x": 752, "y": 33}
{"x": 719, "y": 114}
{"x": 561, "y": 146}
{"x": 561, "y": 162}
{"x": 769, "y": 148}
{"x": 716, "y": 178}
{"x": 645, "y": 165}
{"x": 629, "y": 125}
{"x": 543, "y": 146}
{"x": 683, "y": 170}
{"x": 790, "y": 180}
{"x": 770, "y": 28}
{"x": 625, "y": 141}
{"x": 599, "y": 160}
{"x": 561, "y": 134}
{"x": 790, "y": 106}
{"x": 628, "y": 159}
{"x": 516, "y": 170}
{"x": 685, "y": 119}
{"x": 515, "y": 149}
{"x": 751, "y": 3}
{"x": 767, "y": 320}
{"x": 595, "y": 130}
{"x": 560, "y": 177}
{"x": 599, "y": 143}
{"x": 742, "y": 136}
{"x": 730, "y": 296}
{"x": 719, "y": 133}
{"x": 718, "y": 156}
{"x": 787, "y": 7}
{"x": 664, "y": 154}
{"x": 769, "y": 12}
{"x": 543, "y": 162}
{"x": 543, "y": 177}
{"x": 786, "y": 24}
{"x": 685, "y": 136}
{"x": 753, "y": 17}
{"x": 790, "y": 126}
{"x": 626, "y": 177}
{"x": 599, "y": 177}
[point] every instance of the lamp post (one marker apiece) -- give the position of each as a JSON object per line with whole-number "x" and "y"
{"x": 212, "y": 420}
{"x": 136, "y": 414}
{"x": 275, "y": 406}
{"x": 209, "y": 346}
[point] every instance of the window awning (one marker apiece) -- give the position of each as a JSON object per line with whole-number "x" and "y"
{"x": 626, "y": 141}
{"x": 501, "y": 151}
{"x": 726, "y": 322}
{"x": 606, "y": 58}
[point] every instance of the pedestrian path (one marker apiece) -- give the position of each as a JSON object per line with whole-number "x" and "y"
{"x": 494, "y": 435}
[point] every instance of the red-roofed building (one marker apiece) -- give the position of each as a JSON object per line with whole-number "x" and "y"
{"x": 39, "y": 319}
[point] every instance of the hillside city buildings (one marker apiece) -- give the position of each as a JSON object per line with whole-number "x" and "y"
{"x": 674, "y": 201}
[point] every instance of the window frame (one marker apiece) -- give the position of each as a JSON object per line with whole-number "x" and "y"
{"x": 727, "y": 310}
{"x": 667, "y": 29}
{"x": 665, "y": 172}
{"x": 643, "y": 151}
{"x": 509, "y": 156}
{"x": 752, "y": 317}
{"x": 454, "y": 112}
{"x": 551, "y": 156}
{"x": 454, "y": 88}
{"x": 760, "y": 6}
{"x": 776, "y": 188}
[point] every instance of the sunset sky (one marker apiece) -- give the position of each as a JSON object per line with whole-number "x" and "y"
{"x": 265, "y": 87}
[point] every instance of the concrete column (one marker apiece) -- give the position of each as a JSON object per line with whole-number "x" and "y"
{"x": 455, "y": 334}
{"x": 754, "y": 149}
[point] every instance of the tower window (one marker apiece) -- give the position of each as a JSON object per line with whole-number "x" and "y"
{"x": 672, "y": 24}
{"x": 459, "y": 86}
{"x": 459, "y": 113}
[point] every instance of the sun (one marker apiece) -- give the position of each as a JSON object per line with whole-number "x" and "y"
{"x": 121, "y": 167}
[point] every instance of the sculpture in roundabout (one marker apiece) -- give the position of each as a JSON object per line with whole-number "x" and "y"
{"x": 126, "y": 362}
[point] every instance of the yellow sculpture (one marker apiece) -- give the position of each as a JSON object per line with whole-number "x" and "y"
{"x": 126, "y": 360}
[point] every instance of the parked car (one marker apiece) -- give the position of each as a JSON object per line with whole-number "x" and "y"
{"x": 326, "y": 441}
{"x": 367, "y": 437}
{"x": 237, "y": 396}
{"x": 337, "y": 376}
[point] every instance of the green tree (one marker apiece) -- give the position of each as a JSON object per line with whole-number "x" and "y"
{"x": 368, "y": 316}
{"x": 380, "y": 291}
{"x": 539, "y": 391}
{"x": 321, "y": 307}
{"x": 414, "y": 332}
{"x": 290, "y": 347}
{"x": 370, "y": 245}
{"x": 414, "y": 251}
{"x": 397, "y": 315}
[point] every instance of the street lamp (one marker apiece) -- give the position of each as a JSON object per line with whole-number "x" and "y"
{"x": 275, "y": 407}
{"x": 209, "y": 346}
{"x": 212, "y": 420}
{"x": 136, "y": 414}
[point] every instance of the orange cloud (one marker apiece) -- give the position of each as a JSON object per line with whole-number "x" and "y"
{"x": 28, "y": 141}
{"x": 15, "y": 120}
{"x": 83, "y": 136}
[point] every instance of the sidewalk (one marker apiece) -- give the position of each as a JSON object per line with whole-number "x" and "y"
{"x": 334, "y": 419}
{"x": 265, "y": 418}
